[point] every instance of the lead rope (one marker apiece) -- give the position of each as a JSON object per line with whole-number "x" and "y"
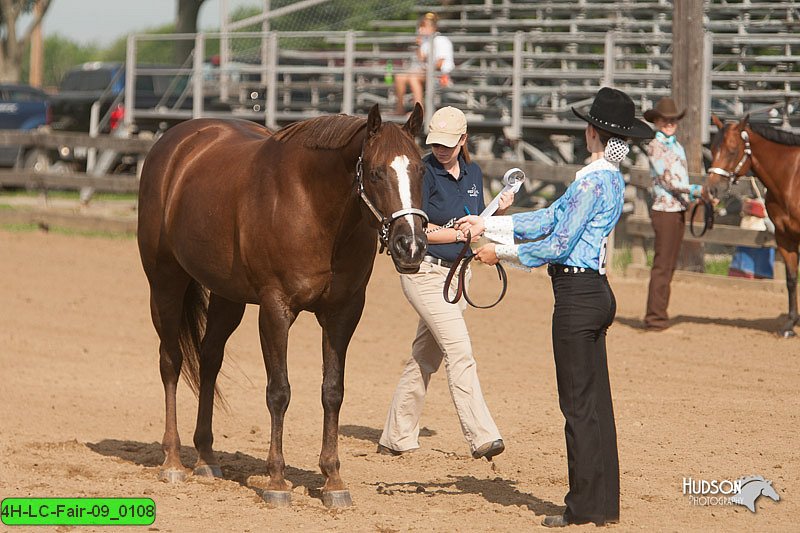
{"x": 460, "y": 266}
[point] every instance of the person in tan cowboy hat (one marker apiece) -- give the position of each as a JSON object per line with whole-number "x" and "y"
{"x": 672, "y": 194}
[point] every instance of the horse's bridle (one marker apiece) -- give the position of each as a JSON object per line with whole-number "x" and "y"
{"x": 708, "y": 216}
{"x": 734, "y": 176}
{"x": 385, "y": 222}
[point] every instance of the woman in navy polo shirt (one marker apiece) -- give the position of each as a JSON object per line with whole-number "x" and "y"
{"x": 453, "y": 187}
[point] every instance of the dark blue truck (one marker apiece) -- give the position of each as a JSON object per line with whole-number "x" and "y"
{"x": 21, "y": 108}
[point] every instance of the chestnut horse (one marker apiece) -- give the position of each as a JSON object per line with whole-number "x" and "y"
{"x": 231, "y": 214}
{"x": 774, "y": 157}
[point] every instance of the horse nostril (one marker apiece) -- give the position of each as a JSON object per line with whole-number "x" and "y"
{"x": 402, "y": 244}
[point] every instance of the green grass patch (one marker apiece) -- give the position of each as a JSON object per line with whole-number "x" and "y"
{"x": 621, "y": 259}
{"x": 71, "y": 195}
{"x": 19, "y": 228}
{"x": 718, "y": 266}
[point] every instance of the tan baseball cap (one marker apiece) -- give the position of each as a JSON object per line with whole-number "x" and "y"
{"x": 446, "y": 127}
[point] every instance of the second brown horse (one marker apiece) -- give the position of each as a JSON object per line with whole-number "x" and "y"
{"x": 774, "y": 157}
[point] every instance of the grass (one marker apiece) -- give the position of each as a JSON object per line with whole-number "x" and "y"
{"x": 714, "y": 264}
{"x": 21, "y": 228}
{"x": 70, "y": 195}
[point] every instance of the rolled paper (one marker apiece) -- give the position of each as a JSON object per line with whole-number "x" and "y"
{"x": 512, "y": 181}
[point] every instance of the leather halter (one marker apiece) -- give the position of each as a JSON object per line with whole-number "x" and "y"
{"x": 460, "y": 266}
{"x": 734, "y": 175}
{"x": 708, "y": 208}
{"x": 385, "y": 222}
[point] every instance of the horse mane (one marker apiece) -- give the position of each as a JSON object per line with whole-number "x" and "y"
{"x": 775, "y": 135}
{"x": 745, "y": 480}
{"x": 330, "y": 132}
{"x": 718, "y": 137}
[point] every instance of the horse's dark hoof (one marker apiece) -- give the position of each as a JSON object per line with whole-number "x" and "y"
{"x": 277, "y": 498}
{"x": 336, "y": 498}
{"x": 208, "y": 471}
{"x": 788, "y": 333}
{"x": 172, "y": 475}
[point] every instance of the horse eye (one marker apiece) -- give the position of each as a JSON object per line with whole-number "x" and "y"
{"x": 377, "y": 175}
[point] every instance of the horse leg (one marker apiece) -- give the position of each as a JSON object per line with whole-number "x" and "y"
{"x": 338, "y": 325}
{"x": 166, "y": 308}
{"x": 788, "y": 250}
{"x": 224, "y": 316}
{"x": 274, "y": 320}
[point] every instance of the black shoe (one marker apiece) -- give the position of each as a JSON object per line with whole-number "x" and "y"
{"x": 557, "y": 520}
{"x": 560, "y": 520}
{"x": 384, "y": 450}
{"x": 489, "y": 450}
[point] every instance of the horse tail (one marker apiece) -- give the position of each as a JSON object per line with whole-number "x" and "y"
{"x": 193, "y": 328}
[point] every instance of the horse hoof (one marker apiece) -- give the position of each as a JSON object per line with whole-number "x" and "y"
{"x": 277, "y": 498}
{"x": 336, "y": 498}
{"x": 172, "y": 475}
{"x": 208, "y": 471}
{"x": 788, "y": 334}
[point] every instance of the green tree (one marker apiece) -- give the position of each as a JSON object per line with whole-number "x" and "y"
{"x": 13, "y": 45}
{"x": 147, "y": 52}
{"x": 61, "y": 54}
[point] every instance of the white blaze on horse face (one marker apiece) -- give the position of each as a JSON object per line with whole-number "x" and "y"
{"x": 400, "y": 166}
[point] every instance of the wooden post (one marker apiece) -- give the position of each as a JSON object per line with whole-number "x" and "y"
{"x": 688, "y": 49}
{"x": 35, "y": 77}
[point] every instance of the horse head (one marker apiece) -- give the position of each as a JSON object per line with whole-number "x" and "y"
{"x": 769, "y": 491}
{"x": 732, "y": 157}
{"x": 752, "y": 487}
{"x": 391, "y": 187}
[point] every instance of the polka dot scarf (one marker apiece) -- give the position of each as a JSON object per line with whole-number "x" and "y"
{"x": 616, "y": 150}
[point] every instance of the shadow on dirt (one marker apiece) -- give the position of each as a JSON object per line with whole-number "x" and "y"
{"x": 767, "y": 325}
{"x": 237, "y": 466}
{"x": 497, "y": 490}
{"x": 373, "y": 435}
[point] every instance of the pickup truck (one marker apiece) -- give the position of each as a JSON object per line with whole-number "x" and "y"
{"x": 22, "y": 107}
{"x": 88, "y": 83}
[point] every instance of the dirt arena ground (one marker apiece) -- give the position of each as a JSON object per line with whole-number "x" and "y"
{"x": 81, "y": 404}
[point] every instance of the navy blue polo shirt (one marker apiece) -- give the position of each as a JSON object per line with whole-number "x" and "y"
{"x": 445, "y": 197}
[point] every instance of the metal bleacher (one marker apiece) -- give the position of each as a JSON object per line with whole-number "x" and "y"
{"x": 520, "y": 66}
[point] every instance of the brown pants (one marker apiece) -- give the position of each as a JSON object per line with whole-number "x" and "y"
{"x": 669, "y": 228}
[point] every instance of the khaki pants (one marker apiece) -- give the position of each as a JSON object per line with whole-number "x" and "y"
{"x": 441, "y": 334}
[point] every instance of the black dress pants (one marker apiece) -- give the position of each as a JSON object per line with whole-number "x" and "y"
{"x": 584, "y": 309}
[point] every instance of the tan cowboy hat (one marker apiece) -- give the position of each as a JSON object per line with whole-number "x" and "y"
{"x": 665, "y": 108}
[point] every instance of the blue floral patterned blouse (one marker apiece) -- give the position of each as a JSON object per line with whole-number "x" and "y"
{"x": 573, "y": 230}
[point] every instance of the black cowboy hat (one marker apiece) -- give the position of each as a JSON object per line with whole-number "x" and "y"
{"x": 665, "y": 108}
{"x": 614, "y": 112}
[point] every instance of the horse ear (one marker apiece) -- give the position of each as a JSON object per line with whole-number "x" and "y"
{"x": 374, "y": 120}
{"x": 414, "y": 123}
{"x": 717, "y": 122}
{"x": 743, "y": 122}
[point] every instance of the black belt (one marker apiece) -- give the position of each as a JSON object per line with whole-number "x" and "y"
{"x": 567, "y": 270}
{"x": 436, "y": 261}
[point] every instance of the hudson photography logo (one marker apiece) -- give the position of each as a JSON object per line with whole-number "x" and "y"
{"x": 743, "y": 491}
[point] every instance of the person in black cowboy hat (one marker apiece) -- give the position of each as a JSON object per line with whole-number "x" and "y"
{"x": 570, "y": 237}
